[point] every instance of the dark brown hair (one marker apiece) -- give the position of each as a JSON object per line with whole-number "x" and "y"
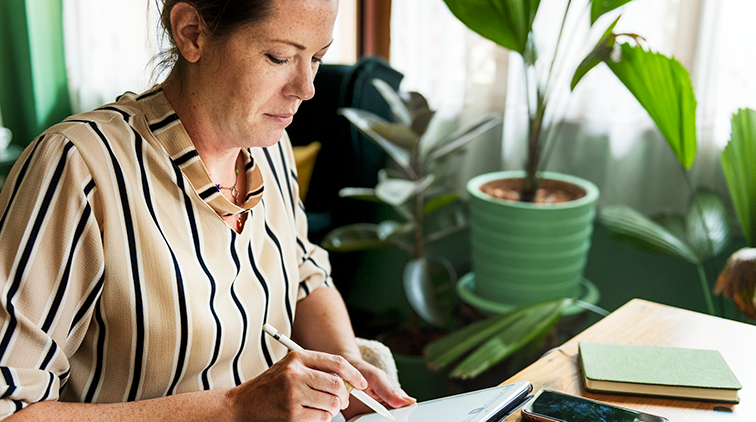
{"x": 220, "y": 17}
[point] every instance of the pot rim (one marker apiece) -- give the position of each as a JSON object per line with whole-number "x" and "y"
{"x": 591, "y": 191}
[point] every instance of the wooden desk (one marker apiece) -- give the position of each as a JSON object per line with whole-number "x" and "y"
{"x": 648, "y": 323}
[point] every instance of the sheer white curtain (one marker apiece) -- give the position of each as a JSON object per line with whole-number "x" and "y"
{"x": 606, "y": 136}
{"x": 458, "y": 71}
{"x": 109, "y": 48}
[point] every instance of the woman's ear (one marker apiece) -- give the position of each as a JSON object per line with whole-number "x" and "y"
{"x": 187, "y": 30}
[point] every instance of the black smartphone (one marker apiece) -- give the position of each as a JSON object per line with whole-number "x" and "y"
{"x": 553, "y": 406}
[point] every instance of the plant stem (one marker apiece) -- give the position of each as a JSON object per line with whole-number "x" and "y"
{"x": 709, "y": 242}
{"x": 556, "y": 49}
{"x": 705, "y": 287}
{"x": 419, "y": 213}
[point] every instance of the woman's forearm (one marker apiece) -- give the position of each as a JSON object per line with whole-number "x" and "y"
{"x": 322, "y": 323}
{"x": 197, "y": 406}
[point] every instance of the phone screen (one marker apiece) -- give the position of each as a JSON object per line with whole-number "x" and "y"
{"x": 564, "y": 407}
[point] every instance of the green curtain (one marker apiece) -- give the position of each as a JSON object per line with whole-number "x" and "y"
{"x": 33, "y": 83}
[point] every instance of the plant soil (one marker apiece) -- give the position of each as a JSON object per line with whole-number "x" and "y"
{"x": 550, "y": 192}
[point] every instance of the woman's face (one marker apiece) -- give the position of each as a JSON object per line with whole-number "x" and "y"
{"x": 252, "y": 84}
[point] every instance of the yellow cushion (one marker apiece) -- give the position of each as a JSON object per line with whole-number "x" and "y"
{"x": 304, "y": 157}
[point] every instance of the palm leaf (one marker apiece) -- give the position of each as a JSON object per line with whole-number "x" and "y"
{"x": 600, "y": 53}
{"x": 505, "y": 22}
{"x": 444, "y": 351}
{"x": 709, "y": 237}
{"x": 599, "y": 7}
{"x": 662, "y": 86}
{"x": 533, "y": 324}
{"x": 629, "y": 226}
{"x": 739, "y": 164}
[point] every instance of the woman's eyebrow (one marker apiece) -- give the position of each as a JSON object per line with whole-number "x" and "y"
{"x": 300, "y": 46}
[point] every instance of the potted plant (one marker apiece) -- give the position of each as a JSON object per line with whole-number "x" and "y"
{"x": 704, "y": 230}
{"x": 419, "y": 188}
{"x": 535, "y": 269}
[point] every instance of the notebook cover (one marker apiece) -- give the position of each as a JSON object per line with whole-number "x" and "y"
{"x": 666, "y": 366}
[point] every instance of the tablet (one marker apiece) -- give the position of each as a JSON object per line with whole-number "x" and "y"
{"x": 477, "y": 406}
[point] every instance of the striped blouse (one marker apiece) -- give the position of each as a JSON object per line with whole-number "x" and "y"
{"x": 119, "y": 281}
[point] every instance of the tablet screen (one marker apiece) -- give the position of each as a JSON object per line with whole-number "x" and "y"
{"x": 476, "y": 406}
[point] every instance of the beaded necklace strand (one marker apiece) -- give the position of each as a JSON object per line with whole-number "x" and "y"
{"x": 235, "y": 195}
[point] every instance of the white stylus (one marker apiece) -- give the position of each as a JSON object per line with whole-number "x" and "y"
{"x": 361, "y": 395}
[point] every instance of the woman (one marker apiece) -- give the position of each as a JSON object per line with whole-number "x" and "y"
{"x": 147, "y": 242}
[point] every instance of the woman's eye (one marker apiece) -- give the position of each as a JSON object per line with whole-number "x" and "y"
{"x": 317, "y": 61}
{"x": 276, "y": 60}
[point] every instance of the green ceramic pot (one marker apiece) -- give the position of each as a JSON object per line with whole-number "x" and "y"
{"x": 523, "y": 252}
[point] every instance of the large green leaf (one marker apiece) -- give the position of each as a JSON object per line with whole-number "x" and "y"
{"x": 599, "y": 7}
{"x": 505, "y": 22}
{"x": 353, "y": 237}
{"x": 739, "y": 164}
{"x": 630, "y": 226}
{"x": 710, "y": 236}
{"x": 662, "y": 86}
{"x": 533, "y": 324}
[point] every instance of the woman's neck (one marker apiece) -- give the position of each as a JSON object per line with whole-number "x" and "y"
{"x": 220, "y": 159}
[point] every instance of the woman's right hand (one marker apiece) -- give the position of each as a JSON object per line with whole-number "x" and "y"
{"x": 303, "y": 386}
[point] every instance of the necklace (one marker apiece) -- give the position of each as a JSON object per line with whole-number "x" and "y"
{"x": 235, "y": 195}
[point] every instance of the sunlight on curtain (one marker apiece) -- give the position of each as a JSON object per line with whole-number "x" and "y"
{"x": 109, "y": 47}
{"x": 460, "y": 73}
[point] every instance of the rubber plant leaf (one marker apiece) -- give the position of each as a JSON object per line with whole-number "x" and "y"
{"x": 390, "y": 228}
{"x": 662, "y": 86}
{"x": 395, "y": 102}
{"x": 463, "y": 136}
{"x": 434, "y": 204}
{"x": 421, "y": 292}
{"x": 635, "y": 229}
{"x": 600, "y": 53}
{"x": 398, "y": 191}
{"x": 365, "y": 194}
{"x": 508, "y": 23}
{"x": 353, "y": 237}
{"x": 533, "y": 324}
{"x": 739, "y": 164}
{"x": 709, "y": 237}
{"x": 398, "y": 134}
{"x": 364, "y": 121}
{"x": 599, "y": 7}
{"x": 446, "y": 350}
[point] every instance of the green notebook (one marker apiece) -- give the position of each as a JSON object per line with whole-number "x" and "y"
{"x": 657, "y": 371}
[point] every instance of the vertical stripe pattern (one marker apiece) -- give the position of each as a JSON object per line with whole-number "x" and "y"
{"x": 119, "y": 280}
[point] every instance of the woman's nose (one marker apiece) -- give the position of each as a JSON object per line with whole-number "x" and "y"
{"x": 302, "y": 84}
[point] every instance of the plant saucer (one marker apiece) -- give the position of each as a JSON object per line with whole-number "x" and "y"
{"x": 589, "y": 293}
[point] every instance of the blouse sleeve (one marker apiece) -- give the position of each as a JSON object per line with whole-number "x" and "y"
{"x": 51, "y": 269}
{"x": 314, "y": 267}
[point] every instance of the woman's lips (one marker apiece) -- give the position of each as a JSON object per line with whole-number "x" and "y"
{"x": 284, "y": 119}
